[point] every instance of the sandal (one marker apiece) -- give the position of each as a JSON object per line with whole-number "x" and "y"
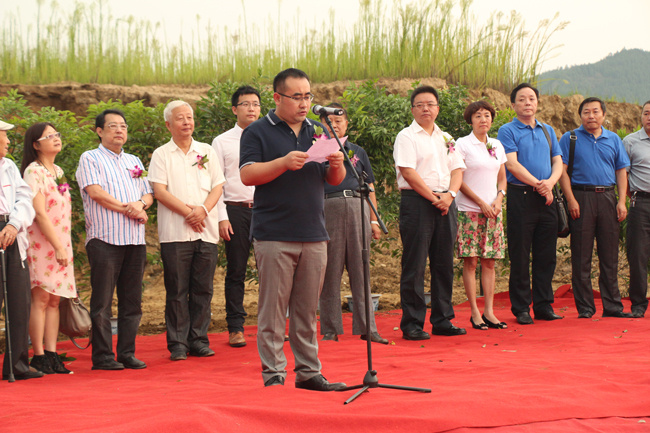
{"x": 481, "y": 326}
{"x": 500, "y": 325}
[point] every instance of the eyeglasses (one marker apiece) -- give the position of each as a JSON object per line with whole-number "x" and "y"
{"x": 248, "y": 104}
{"x": 116, "y": 126}
{"x": 429, "y": 105}
{"x": 50, "y": 137}
{"x": 307, "y": 97}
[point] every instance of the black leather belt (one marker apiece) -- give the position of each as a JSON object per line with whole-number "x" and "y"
{"x": 522, "y": 187}
{"x": 641, "y": 194}
{"x": 239, "y": 204}
{"x": 4, "y": 218}
{"x": 595, "y": 188}
{"x": 347, "y": 193}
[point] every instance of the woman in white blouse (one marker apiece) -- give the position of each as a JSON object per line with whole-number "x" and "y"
{"x": 479, "y": 201}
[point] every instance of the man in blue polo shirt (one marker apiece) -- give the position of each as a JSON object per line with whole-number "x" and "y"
{"x": 599, "y": 163}
{"x": 288, "y": 229}
{"x": 533, "y": 168}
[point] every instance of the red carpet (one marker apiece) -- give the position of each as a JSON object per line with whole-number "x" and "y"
{"x": 566, "y": 375}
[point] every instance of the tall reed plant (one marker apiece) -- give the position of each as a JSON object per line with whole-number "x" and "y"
{"x": 420, "y": 39}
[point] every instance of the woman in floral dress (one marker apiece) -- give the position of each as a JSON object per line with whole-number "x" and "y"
{"x": 480, "y": 227}
{"x": 50, "y": 247}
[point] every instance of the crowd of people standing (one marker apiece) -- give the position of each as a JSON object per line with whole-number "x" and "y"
{"x": 254, "y": 187}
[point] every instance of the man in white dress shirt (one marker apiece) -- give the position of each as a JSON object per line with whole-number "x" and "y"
{"x": 235, "y": 210}
{"x": 429, "y": 174}
{"x": 187, "y": 182}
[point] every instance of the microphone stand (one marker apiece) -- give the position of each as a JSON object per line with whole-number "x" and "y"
{"x": 370, "y": 379}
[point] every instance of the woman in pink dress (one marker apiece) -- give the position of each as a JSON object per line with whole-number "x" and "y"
{"x": 50, "y": 248}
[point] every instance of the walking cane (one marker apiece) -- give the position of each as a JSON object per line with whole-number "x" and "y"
{"x": 7, "y": 333}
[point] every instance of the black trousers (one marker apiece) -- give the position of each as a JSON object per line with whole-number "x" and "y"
{"x": 597, "y": 220}
{"x": 189, "y": 273}
{"x": 18, "y": 307}
{"x": 425, "y": 232}
{"x": 638, "y": 252}
{"x": 531, "y": 225}
{"x": 237, "y": 253}
{"x": 120, "y": 268}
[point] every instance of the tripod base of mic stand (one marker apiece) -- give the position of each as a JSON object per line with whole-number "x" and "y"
{"x": 370, "y": 381}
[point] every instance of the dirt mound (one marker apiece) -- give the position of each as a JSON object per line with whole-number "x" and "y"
{"x": 561, "y": 113}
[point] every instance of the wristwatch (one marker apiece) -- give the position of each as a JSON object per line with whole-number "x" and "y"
{"x": 144, "y": 204}
{"x": 502, "y": 192}
{"x": 453, "y": 194}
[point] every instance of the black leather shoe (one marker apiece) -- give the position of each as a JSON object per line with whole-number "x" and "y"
{"x": 500, "y": 325}
{"x": 133, "y": 363}
{"x": 449, "y": 331}
{"x": 32, "y": 373}
{"x": 619, "y": 314}
{"x": 638, "y": 314}
{"x": 375, "y": 338}
{"x": 202, "y": 352}
{"x": 178, "y": 355}
{"x": 319, "y": 383}
{"x": 56, "y": 363}
{"x": 275, "y": 380}
{"x": 524, "y": 319}
{"x": 416, "y": 335}
{"x": 585, "y": 315}
{"x": 330, "y": 336}
{"x": 110, "y": 364}
{"x": 547, "y": 315}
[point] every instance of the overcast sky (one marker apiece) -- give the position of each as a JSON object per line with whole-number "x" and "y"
{"x": 594, "y": 30}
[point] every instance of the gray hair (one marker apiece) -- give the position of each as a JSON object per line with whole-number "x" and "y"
{"x": 167, "y": 114}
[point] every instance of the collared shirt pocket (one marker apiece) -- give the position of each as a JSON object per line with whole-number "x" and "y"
{"x": 206, "y": 180}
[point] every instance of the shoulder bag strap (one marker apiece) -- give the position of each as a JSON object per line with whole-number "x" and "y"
{"x": 550, "y": 145}
{"x": 572, "y": 152}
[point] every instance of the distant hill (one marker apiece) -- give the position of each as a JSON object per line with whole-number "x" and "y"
{"x": 623, "y": 76}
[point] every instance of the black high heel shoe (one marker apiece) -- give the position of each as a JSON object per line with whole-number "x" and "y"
{"x": 481, "y": 326}
{"x": 500, "y": 325}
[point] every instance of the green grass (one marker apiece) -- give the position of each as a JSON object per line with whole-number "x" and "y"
{"x": 425, "y": 39}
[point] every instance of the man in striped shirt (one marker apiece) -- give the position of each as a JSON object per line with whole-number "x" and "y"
{"x": 115, "y": 196}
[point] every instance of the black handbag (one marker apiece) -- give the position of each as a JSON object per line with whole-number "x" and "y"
{"x": 563, "y": 229}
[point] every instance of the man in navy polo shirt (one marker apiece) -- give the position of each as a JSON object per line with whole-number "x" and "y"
{"x": 288, "y": 229}
{"x": 599, "y": 162}
{"x": 533, "y": 168}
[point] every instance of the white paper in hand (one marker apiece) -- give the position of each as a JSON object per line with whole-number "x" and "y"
{"x": 322, "y": 149}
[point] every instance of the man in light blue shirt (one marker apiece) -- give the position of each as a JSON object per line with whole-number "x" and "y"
{"x": 588, "y": 182}
{"x": 533, "y": 168}
{"x": 115, "y": 195}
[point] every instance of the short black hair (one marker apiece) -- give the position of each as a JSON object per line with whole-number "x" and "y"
{"x": 424, "y": 89}
{"x": 244, "y": 90}
{"x": 279, "y": 80}
{"x": 476, "y": 106}
{"x": 644, "y": 104}
{"x": 335, "y": 105}
{"x": 513, "y": 94}
{"x": 100, "y": 120}
{"x": 590, "y": 100}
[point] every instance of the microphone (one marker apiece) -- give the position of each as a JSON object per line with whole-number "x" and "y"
{"x": 319, "y": 110}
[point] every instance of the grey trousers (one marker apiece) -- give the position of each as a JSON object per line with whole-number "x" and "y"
{"x": 18, "y": 306}
{"x": 343, "y": 223}
{"x": 189, "y": 273}
{"x": 290, "y": 275}
{"x": 597, "y": 220}
{"x": 638, "y": 252}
